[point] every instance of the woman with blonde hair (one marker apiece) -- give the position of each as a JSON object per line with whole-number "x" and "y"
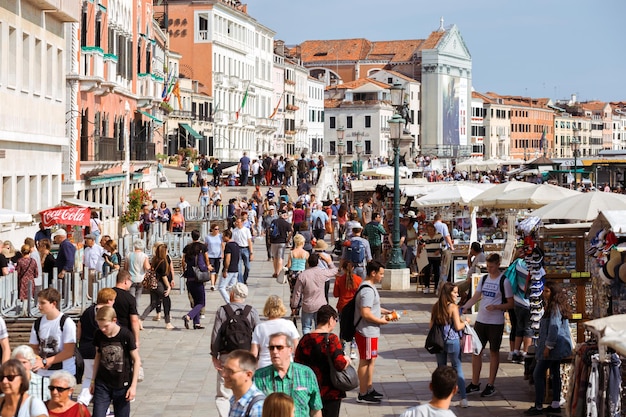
{"x": 445, "y": 313}
{"x": 274, "y": 310}
{"x": 296, "y": 262}
{"x": 278, "y": 404}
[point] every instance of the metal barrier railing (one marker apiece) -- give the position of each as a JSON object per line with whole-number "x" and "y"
{"x": 210, "y": 213}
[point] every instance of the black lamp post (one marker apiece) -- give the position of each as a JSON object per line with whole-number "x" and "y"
{"x": 396, "y": 261}
{"x": 575, "y": 143}
{"x": 341, "y": 151}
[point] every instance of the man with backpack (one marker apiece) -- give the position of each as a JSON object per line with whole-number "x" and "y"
{"x": 357, "y": 250}
{"x": 232, "y": 330}
{"x": 318, "y": 221}
{"x": 496, "y": 297}
{"x": 280, "y": 233}
{"x": 53, "y": 336}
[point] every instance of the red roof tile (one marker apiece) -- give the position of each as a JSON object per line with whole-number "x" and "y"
{"x": 337, "y": 49}
{"x": 356, "y": 84}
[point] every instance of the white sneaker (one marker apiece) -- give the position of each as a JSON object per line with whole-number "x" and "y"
{"x": 426, "y": 290}
{"x": 509, "y": 357}
{"x": 463, "y": 403}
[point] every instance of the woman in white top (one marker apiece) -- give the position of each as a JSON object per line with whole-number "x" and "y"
{"x": 137, "y": 263}
{"x": 274, "y": 310}
{"x": 215, "y": 246}
{"x": 16, "y": 401}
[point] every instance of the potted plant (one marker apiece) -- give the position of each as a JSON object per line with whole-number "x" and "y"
{"x": 130, "y": 217}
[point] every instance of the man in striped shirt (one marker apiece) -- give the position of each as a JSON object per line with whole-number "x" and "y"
{"x": 432, "y": 244}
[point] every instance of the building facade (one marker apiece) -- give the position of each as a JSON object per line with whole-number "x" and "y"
{"x": 33, "y": 55}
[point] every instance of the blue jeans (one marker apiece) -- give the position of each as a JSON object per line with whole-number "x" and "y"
{"x": 102, "y": 397}
{"x": 244, "y": 265}
{"x": 453, "y": 352}
{"x": 196, "y": 289}
{"x": 190, "y": 179}
{"x": 540, "y": 380}
{"x": 229, "y": 281}
{"x": 308, "y": 321}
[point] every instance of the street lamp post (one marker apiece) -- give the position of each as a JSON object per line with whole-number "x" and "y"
{"x": 359, "y": 150}
{"x": 341, "y": 150}
{"x": 575, "y": 143}
{"x": 396, "y": 261}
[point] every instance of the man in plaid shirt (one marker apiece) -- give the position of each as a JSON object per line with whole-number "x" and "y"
{"x": 297, "y": 381}
{"x": 374, "y": 233}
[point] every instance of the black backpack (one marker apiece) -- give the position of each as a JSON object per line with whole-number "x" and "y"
{"x": 347, "y": 326}
{"x": 80, "y": 363}
{"x": 236, "y": 331}
{"x": 319, "y": 224}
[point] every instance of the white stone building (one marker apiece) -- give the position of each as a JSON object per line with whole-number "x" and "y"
{"x": 33, "y": 92}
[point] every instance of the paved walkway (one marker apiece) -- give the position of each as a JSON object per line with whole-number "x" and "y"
{"x": 180, "y": 378}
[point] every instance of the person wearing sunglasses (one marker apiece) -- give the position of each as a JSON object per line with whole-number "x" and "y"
{"x": 16, "y": 401}
{"x": 60, "y": 404}
{"x": 294, "y": 379}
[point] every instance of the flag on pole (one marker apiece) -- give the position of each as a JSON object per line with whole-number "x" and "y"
{"x": 166, "y": 85}
{"x": 276, "y": 108}
{"x": 176, "y": 92}
{"x": 243, "y": 102}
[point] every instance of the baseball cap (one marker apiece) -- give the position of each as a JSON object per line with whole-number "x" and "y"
{"x": 90, "y": 236}
{"x": 60, "y": 232}
{"x": 239, "y": 290}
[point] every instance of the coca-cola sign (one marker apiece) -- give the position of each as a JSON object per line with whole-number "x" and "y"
{"x": 75, "y": 216}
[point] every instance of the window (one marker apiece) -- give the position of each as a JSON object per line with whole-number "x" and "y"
{"x": 12, "y": 74}
{"x": 368, "y": 147}
{"x": 368, "y": 121}
{"x": 83, "y": 28}
{"x": 349, "y": 148}
{"x": 349, "y": 122}
{"x": 98, "y": 28}
{"x": 332, "y": 122}
{"x": 332, "y": 148}
{"x": 25, "y": 62}
{"x": 202, "y": 35}
{"x": 37, "y": 67}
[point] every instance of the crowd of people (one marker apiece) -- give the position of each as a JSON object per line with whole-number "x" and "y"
{"x": 253, "y": 358}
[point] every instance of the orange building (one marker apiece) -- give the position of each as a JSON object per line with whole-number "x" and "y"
{"x": 532, "y": 126}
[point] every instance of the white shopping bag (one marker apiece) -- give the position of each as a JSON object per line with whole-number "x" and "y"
{"x": 477, "y": 346}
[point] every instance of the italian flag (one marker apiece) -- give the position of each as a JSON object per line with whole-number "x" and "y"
{"x": 243, "y": 102}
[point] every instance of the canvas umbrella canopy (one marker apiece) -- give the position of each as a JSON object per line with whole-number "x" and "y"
{"x": 386, "y": 171}
{"x": 455, "y": 194}
{"x": 532, "y": 198}
{"x": 582, "y": 207}
{"x": 488, "y": 198}
{"x": 10, "y": 216}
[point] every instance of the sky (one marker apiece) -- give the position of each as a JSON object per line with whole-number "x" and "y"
{"x": 532, "y": 48}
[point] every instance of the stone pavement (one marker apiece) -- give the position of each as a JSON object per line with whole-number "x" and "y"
{"x": 180, "y": 378}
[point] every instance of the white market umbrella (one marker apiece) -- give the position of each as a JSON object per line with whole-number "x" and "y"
{"x": 10, "y": 216}
{"x": 582, "y": 207}
{"x": 488, "y": 198}
{"x": 532, "y": 198}
{"x": 457, "y": 193}
{"x": 386, "y": 171}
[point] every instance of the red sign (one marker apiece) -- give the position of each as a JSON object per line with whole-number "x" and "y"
{"x": 74, "y": 216}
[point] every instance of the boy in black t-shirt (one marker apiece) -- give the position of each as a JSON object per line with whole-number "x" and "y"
{"x": 116, "y": 366}
{"x": 230, "y": 272}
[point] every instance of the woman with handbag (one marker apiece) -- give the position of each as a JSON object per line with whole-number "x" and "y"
{"x": 445, "y": 313}
{"x": 161, "y": 266}
{"x": 27, "y": 271}
{"x": 316, "y": 350}
{"x": 554, "y": 344}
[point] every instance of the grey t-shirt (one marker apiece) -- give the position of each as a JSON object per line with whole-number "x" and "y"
{"x": 491, "y": 295}
{"x": 368, "y": 297}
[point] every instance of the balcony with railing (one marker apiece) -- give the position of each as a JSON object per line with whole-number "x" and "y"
{"x": 110, "y": 67}
{"x": 99, "y": 148}
{"x": 91, "y": 67}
